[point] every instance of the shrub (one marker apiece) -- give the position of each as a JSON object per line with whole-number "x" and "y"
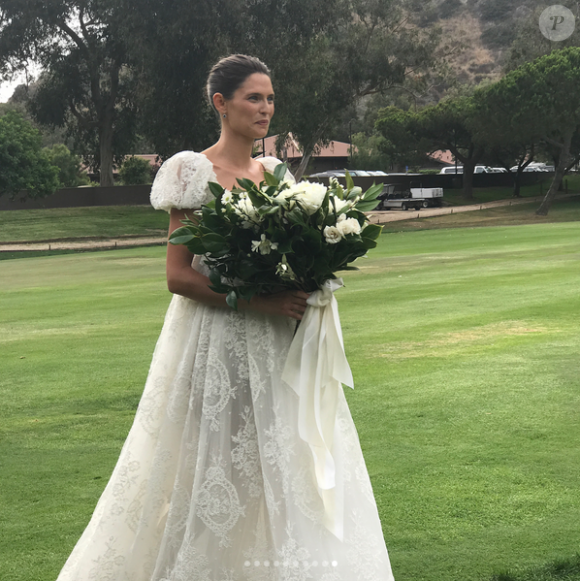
{"x": 69, "y": 165}
{"x": 135, "y": 171}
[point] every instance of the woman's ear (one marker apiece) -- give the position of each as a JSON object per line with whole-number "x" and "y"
{"x": 219, "y": 103}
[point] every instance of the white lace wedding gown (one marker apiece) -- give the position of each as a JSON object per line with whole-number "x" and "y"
{"x": 214, "y": 482}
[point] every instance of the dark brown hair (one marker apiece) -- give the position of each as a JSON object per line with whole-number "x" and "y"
{"x": 229, "y": 74}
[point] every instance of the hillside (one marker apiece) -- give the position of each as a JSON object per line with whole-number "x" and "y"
{"x": 479, "y": 35}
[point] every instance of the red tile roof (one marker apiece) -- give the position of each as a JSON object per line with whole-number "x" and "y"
{"x": 333, "y": 149}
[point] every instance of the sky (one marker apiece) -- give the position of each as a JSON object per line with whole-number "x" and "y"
{"x": 6, "y": 90}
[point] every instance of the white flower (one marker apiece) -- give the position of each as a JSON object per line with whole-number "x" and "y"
{"x": 332, "y": 234}
{"x": 228, "y": 197}
{"x": 310, "y": 195}
{"x": 341, "y": 204}
{"x": 246, "y": 210}
{"x": 348, "y": 226}
{"x": 264, "y": 246}
{"x": 284, "y": 270}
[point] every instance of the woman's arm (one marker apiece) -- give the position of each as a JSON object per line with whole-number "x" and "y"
{"x": 183, "y": 280}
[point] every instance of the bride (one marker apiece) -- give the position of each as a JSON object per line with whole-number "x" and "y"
{"x": 214, "y": 482}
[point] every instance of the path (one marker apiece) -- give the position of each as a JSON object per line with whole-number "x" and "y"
{"x": 377, "y": 217}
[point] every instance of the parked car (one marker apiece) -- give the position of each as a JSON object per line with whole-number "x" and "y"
{"x": 340, "y": 173}
{"x": 451, "y": 170}
{"x": 533, "y": 167}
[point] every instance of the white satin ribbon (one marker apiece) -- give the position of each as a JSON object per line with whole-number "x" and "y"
{"x": 315, "y": 369}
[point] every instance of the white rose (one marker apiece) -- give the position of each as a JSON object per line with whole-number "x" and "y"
{"x": 310, "y": 195}
{"x": 348, "y": 226}
{"x": 341, "y": 204}
{"x": 332, "y": 234}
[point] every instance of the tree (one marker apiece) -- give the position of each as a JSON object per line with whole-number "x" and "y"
{"x": 323, "y": 61}
{"x": 135, "y": 171}
{"x": 442, "y": 126}
{"x": 367, "y": 153}
{"x": 516, "y": 145}
{"x": 23, "y": 164}
{"x": 371, "y": 49}
{"x": 400, "y": 142}
{"x": 87, "y": 85}
{"x": 69, "y": 165}
{"x": 543, "y": 100}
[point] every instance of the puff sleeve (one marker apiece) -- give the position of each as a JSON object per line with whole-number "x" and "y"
{"x": 181, "y": 182}
{"x": 270, "y": 164}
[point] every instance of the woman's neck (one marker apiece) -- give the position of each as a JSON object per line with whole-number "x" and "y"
{"x": 232, "y": 149}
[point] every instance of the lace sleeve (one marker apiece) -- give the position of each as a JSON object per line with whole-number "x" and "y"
{"x": 270, "y": 164}
{"x": 181, "y": 182}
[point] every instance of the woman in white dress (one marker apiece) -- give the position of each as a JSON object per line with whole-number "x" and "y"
{"x": 214, "y": 482}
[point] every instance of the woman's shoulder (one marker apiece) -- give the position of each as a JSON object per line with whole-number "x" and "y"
{"x": 181, "y": 182}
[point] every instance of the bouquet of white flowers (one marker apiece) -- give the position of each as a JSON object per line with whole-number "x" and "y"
{"x": 278, "y": 235}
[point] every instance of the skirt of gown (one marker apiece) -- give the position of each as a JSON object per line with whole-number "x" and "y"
{"x": 213, "y": 482}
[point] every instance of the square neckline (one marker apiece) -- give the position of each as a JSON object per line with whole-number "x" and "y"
{"x": 215, "y": 176}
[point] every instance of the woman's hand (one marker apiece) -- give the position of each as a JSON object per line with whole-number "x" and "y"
{"x": 290, "y": 303}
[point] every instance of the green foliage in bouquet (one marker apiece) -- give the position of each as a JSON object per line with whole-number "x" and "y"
{"x": 278, "y": 235}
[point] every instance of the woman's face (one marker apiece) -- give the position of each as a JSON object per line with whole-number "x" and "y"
{"x": 251, "y": 107}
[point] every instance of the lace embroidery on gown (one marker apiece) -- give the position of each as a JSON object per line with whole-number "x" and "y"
{"x": 213, "y": 482}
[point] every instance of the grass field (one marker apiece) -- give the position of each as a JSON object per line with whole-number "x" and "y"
{"x": 561, "y": 211}
{"x": 464, "y": 347}
{"x": 58, "y": 223}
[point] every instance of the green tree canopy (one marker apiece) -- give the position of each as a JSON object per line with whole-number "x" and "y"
{"x": 23, "y": 164}
{"x": 323, "y": 60}
{"x": 135, "y": 171}
{"x": 87, "y": 85}
{"x": 541, "y": 100}
{"x": 69, "y": 165}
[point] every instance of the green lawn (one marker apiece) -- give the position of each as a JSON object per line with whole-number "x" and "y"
{"x": 464, "y": 347}
{"x": 567, "y": 210}
{"x": 105, "y": 221}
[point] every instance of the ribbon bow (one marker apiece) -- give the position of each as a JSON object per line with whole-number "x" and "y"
{"x": 315, "y": 369}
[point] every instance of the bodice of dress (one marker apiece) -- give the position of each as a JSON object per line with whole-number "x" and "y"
{"x": 182, "y": 181}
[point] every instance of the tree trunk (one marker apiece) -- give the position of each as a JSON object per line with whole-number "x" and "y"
{"x": 468, "y": 167}
{"x": 563, "y": 161}
{"x": 306, "y": 155}
{"x": 106, "y": 152}
{"x": 517, "y": 183}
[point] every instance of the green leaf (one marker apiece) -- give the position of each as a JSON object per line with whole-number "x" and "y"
{"x": 349, "y": 182}
{"x": 280, "y": 171}
{"x": 215, "y": 189}
{"x": 232, "y": 300}
{"x": 367, "y": 206}
{"x": 215, "y": 277}
{"x": 196, "y": 246}
{"x": 270, "y": 179}
{"x": 213, "y": 242}
{"x": 373, "y": 192}
{"x": 181, "y": 235}
{"x": 246, "y": 184}
{"x": 372, "y": 232}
